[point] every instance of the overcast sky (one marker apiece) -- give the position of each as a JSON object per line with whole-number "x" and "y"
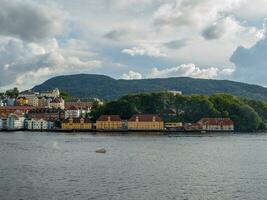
{"x": 132, "y": 39}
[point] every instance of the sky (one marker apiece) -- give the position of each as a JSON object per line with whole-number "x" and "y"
{"x": 132, "y": 39}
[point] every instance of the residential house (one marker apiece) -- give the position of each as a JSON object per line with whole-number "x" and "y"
{"x": 30, "y": 96}
{"x": 73, "y": 112}
{"x": 48, "y": 114}
{"x": 216, "y": 124}
{"x": 22, "y": 101}
{"x": 109, "y": 122}
{"x": 53, "y": 94}
{"x": 6, "y": 110}
{"x": 40, "y": 124}
{"x": 82, "y": 104}
{"x": 56, "y": 103}
{"x": 11, "y": 102}
{"x": 16, "y": 121}
{"x": 76, "y": 124}
{"x": 145, "y": 122}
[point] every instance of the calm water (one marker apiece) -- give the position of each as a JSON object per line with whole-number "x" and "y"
{"x": 61, "y": 166}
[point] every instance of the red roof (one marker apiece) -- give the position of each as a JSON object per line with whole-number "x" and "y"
{"x": 145, "y": 118}
{"x": 109, "y": 117}
{"x": 56, "y": 100}
{"x": 15, "y": 107}
{"x": 216, "y": 121}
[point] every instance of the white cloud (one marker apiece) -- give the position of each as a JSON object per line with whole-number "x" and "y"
{"x": 187, "y": 70}
{"x": 227, "y": 26}
{"x": 131, "y": 75}
{"x": 145, "y": 49}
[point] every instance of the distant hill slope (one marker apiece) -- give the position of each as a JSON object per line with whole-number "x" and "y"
{"x": 104, "y": 87}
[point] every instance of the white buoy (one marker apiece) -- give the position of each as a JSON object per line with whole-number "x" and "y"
{"x": 101, "y": 150}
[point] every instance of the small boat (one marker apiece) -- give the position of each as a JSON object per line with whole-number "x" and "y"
{"x": 101, "y": 150}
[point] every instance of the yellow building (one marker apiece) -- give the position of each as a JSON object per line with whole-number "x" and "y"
{"x": 145, "y": 122}
{"x": 109, "y": 122}
{"x": 76, "y": 124}
{"x": 22, "y": 101}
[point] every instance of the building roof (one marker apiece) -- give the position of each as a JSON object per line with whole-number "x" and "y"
{"x": 56, "y": 100}
{"x": 77, "y": 120}
{"x": 46, "y": 110}
{"x": 109, "y": 117}
{"x": 15, "y": 108}
{"x": 145, "y": 118}
{"x": 72, "y": 108}
{"x": 216, "y": 121}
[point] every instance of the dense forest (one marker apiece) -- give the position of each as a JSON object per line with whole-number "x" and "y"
{"x": 104, "y": 87}
{"x": 248, "y": 115}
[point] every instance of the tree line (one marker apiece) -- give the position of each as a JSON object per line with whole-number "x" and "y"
{"x": 248, "y": 115}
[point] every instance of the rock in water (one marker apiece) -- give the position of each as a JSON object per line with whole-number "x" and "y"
{"x": 101, "y": 150}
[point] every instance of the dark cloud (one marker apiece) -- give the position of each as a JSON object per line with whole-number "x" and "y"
{"x": 176, "y": 44}
{"x": 27, "y": 21}
{"x": 251, "y": 63}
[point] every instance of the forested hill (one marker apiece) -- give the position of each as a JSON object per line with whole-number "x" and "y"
{"x": 104, "y": 87}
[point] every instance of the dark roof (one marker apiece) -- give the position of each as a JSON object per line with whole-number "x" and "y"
{"x": 46, "y": 110}
{"x": 145, "y": 118}
{"x": 56, "y": 100}
{"x": 111, "y": 117}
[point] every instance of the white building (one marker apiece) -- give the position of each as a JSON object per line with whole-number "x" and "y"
{"x": 57, "y": 103}
{"x": 53, "y": 94}
{"x": 15, "y": 121}
{"x": 73, "y": 112}
{"x": 39, "y": 124}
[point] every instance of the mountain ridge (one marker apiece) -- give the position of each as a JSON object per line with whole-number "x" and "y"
{"x": 105, "y": 87}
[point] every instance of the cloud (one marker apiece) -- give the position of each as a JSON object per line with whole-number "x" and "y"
{"x": 176, "y": 44}
{"x": 145, "y": 49}
{"x": 186, "y": 70}
{"x": 251, "y": 62}
{"x": 131, "y": 75}
{"x": 29, "y": 21}
{"x": 21, "y": 63}
{"x": 222, "y": 27}
{"x": 192, "y": 13}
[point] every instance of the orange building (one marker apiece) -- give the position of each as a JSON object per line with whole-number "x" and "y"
{"x": 145, "y": 122}
{"x": 109, "y": 122}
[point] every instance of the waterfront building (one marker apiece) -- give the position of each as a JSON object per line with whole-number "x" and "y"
{"x": 76, "y": 124}
{"x": 216, "y": 124}
{"x": 49, "y": 114}
{"x": 16, "y": 121}
{"x": 173, "y": 125}
{"x": 6, "y": 110}
{"x": 39, "y": 124}
{"x": 109, "y": 122}
{"x": 73, "y": 112}
{"x": 145, "y": 122}
{"x": 56, "y": 103}
{"x": 22, "y": 101}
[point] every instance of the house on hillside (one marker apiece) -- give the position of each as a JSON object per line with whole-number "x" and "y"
{"x": 56, "y": 103}
{"x": 109, "y": 122}
{"x": 73, "y": 112}
{"x": 145, "y": 122}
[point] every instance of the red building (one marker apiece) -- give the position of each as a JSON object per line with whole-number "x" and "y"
{"x": 6, "y": 110}
{"x": 49, "y": 114}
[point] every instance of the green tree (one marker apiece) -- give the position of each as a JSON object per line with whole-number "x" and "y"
{"x": 12, "y": 93}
